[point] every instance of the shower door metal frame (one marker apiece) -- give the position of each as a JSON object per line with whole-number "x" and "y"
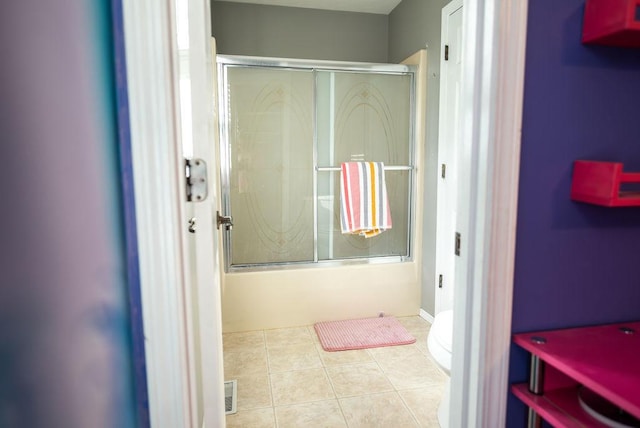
{"x": 225, "y": 61}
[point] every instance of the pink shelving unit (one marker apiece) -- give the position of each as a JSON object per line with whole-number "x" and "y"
{"x": 600, "y": 183}
{"x": 605, "y": 359}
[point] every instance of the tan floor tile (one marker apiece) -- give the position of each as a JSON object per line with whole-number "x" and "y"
{"x": 301, "y": 386}
{"x": 415, "y": 323}
{"x": 423, "y": 403}
{"x": 433, "y": 361}
{"x": 243, "y": 341}
{"x": 422, "y": 346}
{"x": 321, "y": 414}
{"x": 256, "y": 418}
{"x": 343, "y": 357}
{"x": 293, "y": 357}
{"x": 391, "y": 353}
{"x": 288, "y": 336}
{"x": 247, "y": 363}
{"x": 358, "y": 379}
{"x": 307, "y": 397}
{"x": 418, "y": 328}
{"x": 377, "y": 411}
{"x": 254, "y": 392}
{"x": 313, "y": 334}
{"x": 412, "y": 371}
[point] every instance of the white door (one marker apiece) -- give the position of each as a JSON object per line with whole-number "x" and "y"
{"x": 198, "y": 123}
{"x": 178, "y": 272}
{"x": 448, "y": 149}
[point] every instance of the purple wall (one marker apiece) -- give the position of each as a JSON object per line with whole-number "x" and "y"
{"x": 65, "y": 325}
{"x": 576, "y": 264}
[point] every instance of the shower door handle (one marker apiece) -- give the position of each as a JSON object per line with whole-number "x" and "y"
{"x": 225, "y": 220}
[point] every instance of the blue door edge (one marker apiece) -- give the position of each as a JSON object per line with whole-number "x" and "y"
{"x": 129, "y": 216}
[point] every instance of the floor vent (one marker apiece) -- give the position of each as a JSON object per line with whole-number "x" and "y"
{"x": 230, "y": 396}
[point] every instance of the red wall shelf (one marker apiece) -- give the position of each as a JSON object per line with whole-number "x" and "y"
{"x": 600, "y": 183}
{"x": 612, "y": 22}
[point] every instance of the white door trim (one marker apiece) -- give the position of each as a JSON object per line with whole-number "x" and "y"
{"x": 446, "y": 190}
{"x": 493, "y": 80}
{"x": 152, "y": 80}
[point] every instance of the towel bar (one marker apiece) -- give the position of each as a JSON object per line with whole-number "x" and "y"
{"x": 386, "y": 168}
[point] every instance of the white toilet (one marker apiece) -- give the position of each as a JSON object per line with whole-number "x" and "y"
{"x": 439, "y": 343}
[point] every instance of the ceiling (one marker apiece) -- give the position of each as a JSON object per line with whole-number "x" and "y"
{"x": 383, "y": 7}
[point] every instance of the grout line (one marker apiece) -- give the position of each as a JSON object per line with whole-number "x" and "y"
{"x": 342, "y": 411}
{"x": 415, "y": 418}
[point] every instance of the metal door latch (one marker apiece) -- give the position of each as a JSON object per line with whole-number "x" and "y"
{"x": 225, "y": 220}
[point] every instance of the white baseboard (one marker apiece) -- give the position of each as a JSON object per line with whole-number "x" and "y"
{"x": 425, "y": 316}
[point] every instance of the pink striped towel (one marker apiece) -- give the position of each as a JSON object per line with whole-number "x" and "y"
{"x": 364, "y": 207}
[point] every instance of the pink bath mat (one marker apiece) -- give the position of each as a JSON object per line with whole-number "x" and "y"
{"x": 362, "y": 333}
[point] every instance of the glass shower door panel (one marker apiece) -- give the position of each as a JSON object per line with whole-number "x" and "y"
{"x": 332, "y": 244}
{"x": 270, "y": 137}
{"x": 367, "y": 117}
{"x": 363, "y": 117}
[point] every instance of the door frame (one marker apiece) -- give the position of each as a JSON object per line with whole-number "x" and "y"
{"x": 445, "y": 258}
{"x": 493, "y": 75}
{"x": 494, "y": 34}
{"x": 182, "y": 334}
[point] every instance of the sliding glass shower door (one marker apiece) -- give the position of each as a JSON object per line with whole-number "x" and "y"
{"x": 285, "y": 132}
{"x": 363, "y": 117}
{"x": 270, "y": 171}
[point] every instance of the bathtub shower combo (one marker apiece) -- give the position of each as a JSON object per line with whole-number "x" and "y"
{"x": 287, "y": 125}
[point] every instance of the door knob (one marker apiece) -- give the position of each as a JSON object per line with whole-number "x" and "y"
{"x": 225, "y": 220}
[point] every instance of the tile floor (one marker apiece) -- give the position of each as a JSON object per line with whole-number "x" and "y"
{"x": 285, "y": 379}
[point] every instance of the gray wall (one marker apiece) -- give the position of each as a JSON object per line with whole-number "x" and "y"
{"x": 249, "y": 29}
{"x": 414, "y": 24}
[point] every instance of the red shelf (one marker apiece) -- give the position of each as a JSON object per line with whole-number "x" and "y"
{"x": 599, "y": 183}
{"x": 602, "y": 358}
{"x": 612, "y": 22}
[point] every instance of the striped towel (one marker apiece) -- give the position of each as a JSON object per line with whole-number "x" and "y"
{"x": 364, "y": 207}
